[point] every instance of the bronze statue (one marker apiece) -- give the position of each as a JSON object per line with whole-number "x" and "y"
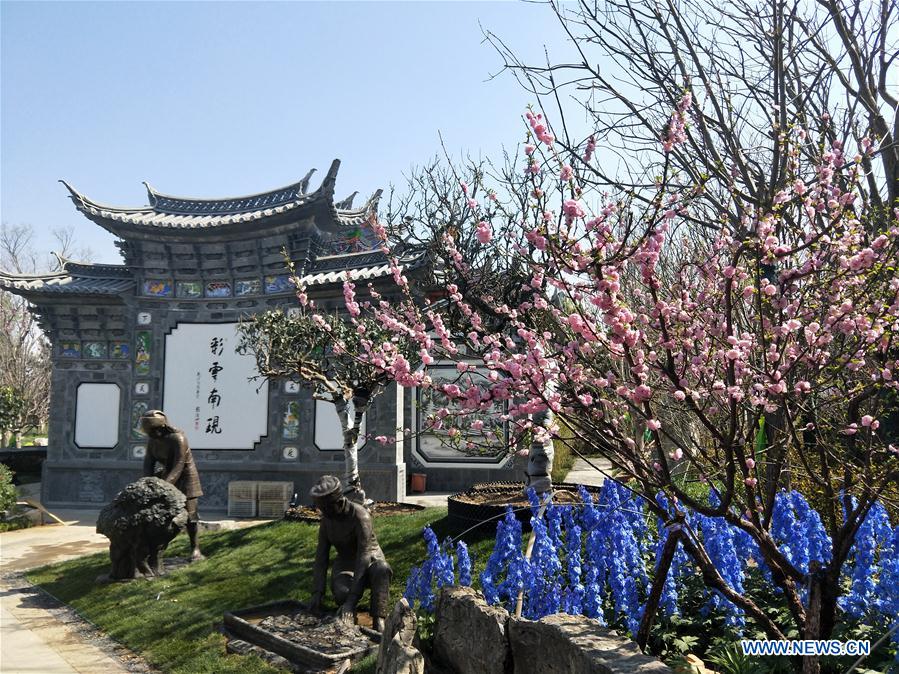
{"x": 139, "y": 523}
{"x": 360, "y": 563}
{"x": 168, "y": 446}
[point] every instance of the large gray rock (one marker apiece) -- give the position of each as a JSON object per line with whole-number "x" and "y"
{"x": 140, "y": 522}
{"x": 563, "y": 643}
{"x": 470, "y": 636}
{"x": 398, "y": 653}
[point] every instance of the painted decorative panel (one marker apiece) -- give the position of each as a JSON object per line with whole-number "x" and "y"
{"x": 144, "y": 318}
{"x": 142, "y": 352}
{"x": 95, "y": 350}
{"x": 141, "y": 388}
{"x": 189, "y": 289}
{"x": 138, "y": 410}
{"x": 218, "y": 289}
{"x": 119, "y": 350}
{"x": 290, "y": 428}
{"x": 157, "y": 288}
{"x": 278, "y": 284}
{"x": 138, "y": 451}
{"x": 70, "y": 349}
{"x": 251, "y": 286}
{"x": 290, "y": 453}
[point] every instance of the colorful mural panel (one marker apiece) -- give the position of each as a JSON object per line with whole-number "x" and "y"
{"x": 158, "y": 288}
{"x": 70, "y": 349}
{"x": 142, "y": 352}
{"x": 95, "y": 350}
{"x": 278, "y": 284}
{"x": 119, "y": 350}
{"x": 251, "y": 286}
{"x": 290, "y": 427}
{"x": 138, "y": 410}
{"x": 189, "y": 289}
{"x": 218, "y": 289}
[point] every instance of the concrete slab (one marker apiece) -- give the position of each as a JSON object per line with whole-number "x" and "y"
{"x": 582, "y": 472}
{"x": 429, "y": 500}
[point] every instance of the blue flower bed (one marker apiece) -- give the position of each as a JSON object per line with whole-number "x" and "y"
{"x": 599, "y": 559}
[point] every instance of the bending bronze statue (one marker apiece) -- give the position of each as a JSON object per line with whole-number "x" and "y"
{"x": 360, "y": 563}
{"x": 168, "y": 446}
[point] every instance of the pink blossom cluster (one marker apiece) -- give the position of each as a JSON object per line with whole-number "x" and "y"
{"x": 538, "y": 126}
{"x": 676, "y": 129}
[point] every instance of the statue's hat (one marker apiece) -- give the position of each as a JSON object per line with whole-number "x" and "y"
{"x": 326, "y": 485}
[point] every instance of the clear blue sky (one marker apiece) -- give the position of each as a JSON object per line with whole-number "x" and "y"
{"x": 215, "y": 99}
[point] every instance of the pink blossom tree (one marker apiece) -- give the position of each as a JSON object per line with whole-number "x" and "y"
{"x": 666, "y": 348}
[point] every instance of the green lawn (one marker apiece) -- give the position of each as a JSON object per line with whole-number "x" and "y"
{"x": 172, "y": 621}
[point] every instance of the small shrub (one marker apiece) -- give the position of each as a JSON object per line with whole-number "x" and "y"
{"x": 7, "y": 490}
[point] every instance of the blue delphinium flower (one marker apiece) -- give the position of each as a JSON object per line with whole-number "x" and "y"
{"x": 784, "y": 528}
{"x": 506, "y": 569}
{"x": 590, "y": 515}
{"x": 619, "y": 536}
{"x": 426, "y": 572}
{"x": 554, "y": 523}
{"x": 863, "y": 568}
{"x": 819, "y": 543}
{"x": 464, "y": 564}
{"x": 719, "y": 541}
{"x": 573, "y": 602}
{"x": 444, "y": 573}
{"x": 533, "y": 500}
{"x": 679, "y": 563}
{"x": 543, "y": 586}
{"x": 887, "y": 592}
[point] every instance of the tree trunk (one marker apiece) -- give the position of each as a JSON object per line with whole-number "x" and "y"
{"x": 350, "y": 413}
{"x": 812, "y": 628}
{"x": 658, "y": 585}
{"x": 352, "y": 483}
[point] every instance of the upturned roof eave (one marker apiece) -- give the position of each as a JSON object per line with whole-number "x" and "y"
{"x": 206, "y": 215}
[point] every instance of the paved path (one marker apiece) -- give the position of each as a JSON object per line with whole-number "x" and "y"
{"x": 37, "y": 634}
{"x": 583, "y": 473}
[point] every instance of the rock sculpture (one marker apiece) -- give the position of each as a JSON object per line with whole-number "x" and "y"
{"x": 359, "y": 564}
{"x": 140, "y": 522}
{"x": 399, "y": 652}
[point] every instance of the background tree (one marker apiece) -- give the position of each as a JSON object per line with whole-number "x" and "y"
{"x": 24, "y": 351}
{"x": 317, "y": 349}
{"x": 756, "y": 70}
{"x": 661, "y": 325}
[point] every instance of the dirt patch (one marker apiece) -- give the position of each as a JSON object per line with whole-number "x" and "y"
{"x": 486, "y": 503}
{"x": 378, "y": 509}
{"x": 512, "y": 496}
{"x": 327, "y": 635}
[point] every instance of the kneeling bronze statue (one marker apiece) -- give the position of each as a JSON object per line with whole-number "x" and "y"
{"x": 360, "y": 563}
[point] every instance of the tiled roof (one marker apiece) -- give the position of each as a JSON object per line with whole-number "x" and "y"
{"x": 365, "y": 266}
{"x": 64, "y": 282}
{"x": 169, "y": 213}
